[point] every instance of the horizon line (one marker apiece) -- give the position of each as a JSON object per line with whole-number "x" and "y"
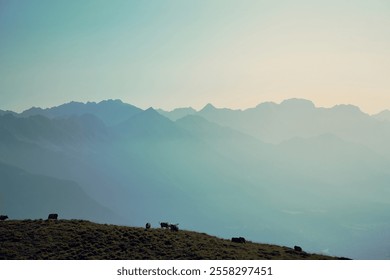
{"x": 196, "y": 109}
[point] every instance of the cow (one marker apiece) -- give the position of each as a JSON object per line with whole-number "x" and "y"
{"x": 174, "y": 227}
{"x": 297, "y": 249}
{"x": 52, "y": 217}
{"x": 3, "y": 217}
{"x": 238, "y": 239}
{"x": 148, "y": 226}
{"x": 164, "y": 225}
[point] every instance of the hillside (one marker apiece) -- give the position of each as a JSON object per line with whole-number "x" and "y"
{"x": 78, "y": 239}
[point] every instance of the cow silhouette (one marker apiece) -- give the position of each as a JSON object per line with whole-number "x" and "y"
{"x": 3, "y": 217}
{"x": 238, "y": 239}
{"x": 52, "y": 217}
{"x": 297, "y": 249}
{"x": 164, "y": 225}
{"x": 174, "y": 227}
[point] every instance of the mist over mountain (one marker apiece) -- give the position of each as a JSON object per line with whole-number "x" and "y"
{"x": 288, "y": 173}
{"x": 29, "y": 196}
{"x": 275, "y": 123}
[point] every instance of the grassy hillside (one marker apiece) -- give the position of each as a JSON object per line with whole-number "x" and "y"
{"x": 77, "y": 239}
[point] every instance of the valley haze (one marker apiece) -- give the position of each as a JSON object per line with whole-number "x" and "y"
{"x": 288, "y": 173}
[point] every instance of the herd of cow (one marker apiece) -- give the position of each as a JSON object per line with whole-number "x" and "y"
{"x": 50, "y": 217}
{"x": 163, "y": 225}
{"x": 175, "y": 227}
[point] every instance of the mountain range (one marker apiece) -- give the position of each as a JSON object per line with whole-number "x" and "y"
{"x": 288, "y": 173}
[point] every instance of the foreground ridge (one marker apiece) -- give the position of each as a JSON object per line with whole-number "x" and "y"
{"x": 79, "y": 240}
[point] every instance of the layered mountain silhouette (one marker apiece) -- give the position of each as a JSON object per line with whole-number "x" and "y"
{"x": 274, "y": 123}
{"x": 288, "y": 173}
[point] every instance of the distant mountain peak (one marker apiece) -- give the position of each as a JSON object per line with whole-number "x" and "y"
{"x": 347, "y": 108}
{"x": 268, "y": 104}
{"x": 149, "y": 114}
{"x": 151, "y": 110}
{"x": 111, "y": 101}
{"x": 73, "y": 103}
{"x": 208, "y": 107}
{"x": 298, "y": 102}
{"x": 33, "y": 111}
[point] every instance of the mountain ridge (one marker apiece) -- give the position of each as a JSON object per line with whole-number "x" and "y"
{"x": 110, "y": 111}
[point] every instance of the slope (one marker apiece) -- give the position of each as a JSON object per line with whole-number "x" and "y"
{"x": 79, "y": 240}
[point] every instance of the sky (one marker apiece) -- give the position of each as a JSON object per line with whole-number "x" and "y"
{"x": 181, "y": 53}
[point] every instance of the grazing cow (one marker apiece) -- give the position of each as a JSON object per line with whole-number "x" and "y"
{"x": 164, "y": 225}
{"x": 297, "y": 249}
{"x": 174, "y": 227}
{"x": 148, "y": 226}
{"x": 3, "y": 217}
{"x": 52, "y": 217}
{"x": 238, "y": 240}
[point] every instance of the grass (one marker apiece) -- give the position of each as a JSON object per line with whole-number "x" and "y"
{"x": 82, "y": 240}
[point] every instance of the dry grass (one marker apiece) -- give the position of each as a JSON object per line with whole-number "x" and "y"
{"x": 79, "y": 240}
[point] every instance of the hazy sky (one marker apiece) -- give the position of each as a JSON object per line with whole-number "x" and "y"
{"x": 169, "y": 54}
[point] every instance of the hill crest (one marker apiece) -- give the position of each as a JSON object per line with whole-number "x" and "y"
{"x": 79, "y": 239}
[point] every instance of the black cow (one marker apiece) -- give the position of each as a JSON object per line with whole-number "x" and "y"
{"x": 174, "y": 227}
{"x": 148, "y": 226}
{"x": 238, "y": 240}
{"x": 164, "y": 225}
{"x": 297, "y": 249}
{"x": 52, "y": 217}
{"x": 3, "y": 217}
